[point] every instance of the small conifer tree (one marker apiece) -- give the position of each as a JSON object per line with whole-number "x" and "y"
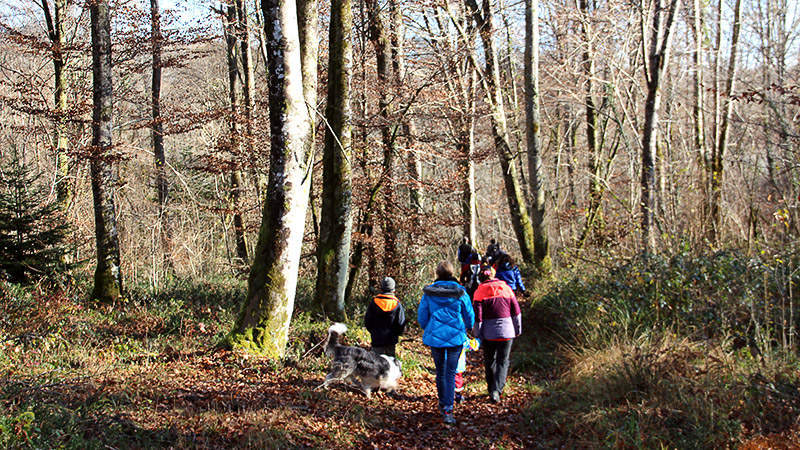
{"x": 32, "y": 229}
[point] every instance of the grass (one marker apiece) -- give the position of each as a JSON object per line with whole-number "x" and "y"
{"x": 664, "y": 391}
{"x": 675, "y": 352}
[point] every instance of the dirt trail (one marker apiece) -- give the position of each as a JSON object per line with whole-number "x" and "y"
{"x": 227, "y": 399}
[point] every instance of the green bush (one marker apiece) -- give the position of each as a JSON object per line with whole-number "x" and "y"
{"x": 702, "y": 296}
{"x": 15, "y": 430}
{"x": 660, "y": 391}
{"x": 683, "y": 350}
{"x": 33, "y": 231}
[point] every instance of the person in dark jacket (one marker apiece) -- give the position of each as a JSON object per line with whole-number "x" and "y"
{"x": 445, "y": 313}
{"x": 509, "y": 272}
{"x": 492, "y": 251}
{"x": 465, "y": 251}
{"x": 385, "y": 319}
{"x": 470, "y": 279}
{"x": 498, "y": 320}
{"x": 467, "y": 255}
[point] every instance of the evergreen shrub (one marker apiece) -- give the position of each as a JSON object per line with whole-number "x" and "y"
{"x": 33, "y": 232}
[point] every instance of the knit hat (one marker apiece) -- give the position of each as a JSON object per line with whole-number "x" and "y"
{"x": 387, "y": 285}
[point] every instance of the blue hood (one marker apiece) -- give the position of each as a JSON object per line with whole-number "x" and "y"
{"x": 445, "y": 312}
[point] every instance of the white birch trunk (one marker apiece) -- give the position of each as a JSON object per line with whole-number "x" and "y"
{"x": 263, "y": 324}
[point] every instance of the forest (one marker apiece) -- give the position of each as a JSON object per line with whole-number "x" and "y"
{"x": 193, "y": 191}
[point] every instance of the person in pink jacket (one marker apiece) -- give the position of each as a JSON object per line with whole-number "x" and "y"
{"x": 498, "y": 320}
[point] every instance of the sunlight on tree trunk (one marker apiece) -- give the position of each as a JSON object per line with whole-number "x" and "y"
{"x": 717, "y": 159}
{"x": 246, "y": 58}
{"x": 383, "y": 51}
{"x": 263, "y": 323}
{"x": 333, "y": 248}
{"x": 698, "y": 107}
{"x": 108, "y": 274}
{"x": 657, "y": 59}
{"x": 541, "y": 250}
{"x": 55, "y": 32}
{"x": 594, "y": 212}
{"x": 235, "y": 194}
{"x": 514, "y": 194}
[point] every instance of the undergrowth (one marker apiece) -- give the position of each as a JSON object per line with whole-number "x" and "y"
{"x": 679, "y": 351}
{"x": 74, "y": 373}
{"x": 682, "y": 351}
{"x": 57, "y": 347}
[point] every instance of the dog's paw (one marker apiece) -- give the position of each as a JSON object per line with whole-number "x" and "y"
{"x": 365, "y": 391}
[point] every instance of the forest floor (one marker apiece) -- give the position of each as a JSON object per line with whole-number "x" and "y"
{"x": 145, "y": 374}
{"x": 225, "y": 399}
{"x": 136, "y": 375}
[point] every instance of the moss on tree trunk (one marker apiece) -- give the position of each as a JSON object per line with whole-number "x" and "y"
{"x": 263, "y": 323}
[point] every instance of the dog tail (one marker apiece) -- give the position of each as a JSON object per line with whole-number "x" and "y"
{"x": 334, "y": 332}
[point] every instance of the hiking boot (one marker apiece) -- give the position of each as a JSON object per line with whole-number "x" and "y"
{"x": 448, "y": 418}
{"x": 494, "y": 397}
{"x": 459, "y": 398}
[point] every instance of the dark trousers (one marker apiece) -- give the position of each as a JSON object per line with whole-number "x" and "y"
{"x": 387, "y": 350}
{"x": 495, "y": 362}
{"x": 446, "y": 361}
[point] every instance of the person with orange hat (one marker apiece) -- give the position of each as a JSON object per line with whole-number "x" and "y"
{"x": 385, "y": 319}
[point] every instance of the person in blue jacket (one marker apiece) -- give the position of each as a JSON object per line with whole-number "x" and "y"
{"x": 509, "y": 272}
{"x": 445, "y": 313}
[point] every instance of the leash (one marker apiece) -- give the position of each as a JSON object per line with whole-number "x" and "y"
{"x": 313, "y": 348}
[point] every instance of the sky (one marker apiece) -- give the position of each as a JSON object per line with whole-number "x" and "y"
{"x": 188, "y": 11}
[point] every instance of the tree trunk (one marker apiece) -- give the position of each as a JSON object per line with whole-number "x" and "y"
{"x": 663, "y": 161}
{"x": 468, "y": 151}
{"x": 364, "y": 244}
{"x": 259, "y": 181}
{"x": 235, "y": 194}
{"x": 108, "y": 275}
{"x": 594, "y": 212}
{"x": 262, "y": 46}
{"x": 461, "y": 80}
{"x": 55, "y": 32}
{"x": 365, "y": 223}
{"x": 238, "y": 220}
{"x": 333, "y": 248}
{"x": 657, "y": 63}
{"x": 364, "y": 229}
{"x": 716, "y": 124}
{"x": 510, "y": 86}
{"x": 698, "y": 107}
{"x": 697, "y": 79}
{"x": 157, "y": 131}
{"x": 466, "y": 147}
{"x": 263, "y": 323}
{"x": 572, "y": 144}
{"x": 541, "y": 255}
{"x": 158, "y": 127}
{"x": 514, "y": 193}
{"x": 307, "y": 22}
{"x": 416, "y": 193}
{"x": 383, "y": 50}
{"x": 717, "y": 167}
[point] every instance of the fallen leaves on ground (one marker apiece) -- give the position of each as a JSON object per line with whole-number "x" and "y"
{"x": 227, "y": 399}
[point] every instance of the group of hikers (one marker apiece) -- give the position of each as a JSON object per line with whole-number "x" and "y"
{"x": 481, "y": 302}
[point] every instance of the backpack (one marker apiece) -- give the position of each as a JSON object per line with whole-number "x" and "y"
{"x": 472, "y": 279}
